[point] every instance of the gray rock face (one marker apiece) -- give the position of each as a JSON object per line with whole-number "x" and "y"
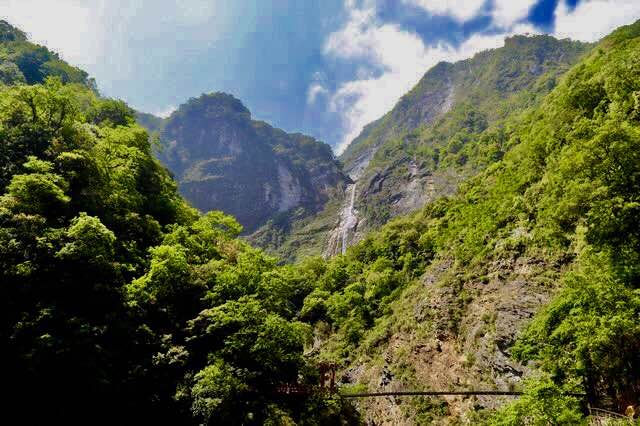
{"x": 396, "y": 160}
{"x": 290, "y": 189}
{"x": 432, "y": 97}
{"x": 224, "y": 160}
{"x": 432, "y": 102}
{"x": 447, "y": 344}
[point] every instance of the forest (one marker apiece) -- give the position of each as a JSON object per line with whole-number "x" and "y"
{"x": 121, "y": 303}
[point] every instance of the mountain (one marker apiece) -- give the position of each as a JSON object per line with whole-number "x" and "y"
{"x": 224, "y": 160}
{"x": 447, "y": 128}
{"x": 23, "y": 63}
{"x": 119, "y": 298}
{"x": 152, "y": 123}
{"x": 526, "y": 278}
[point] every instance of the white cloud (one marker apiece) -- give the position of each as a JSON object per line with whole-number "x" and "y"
{"x": 66, "y": 26}
{"x": 105, "y": 37}
{"x": 315, "y": 90}
{"x": 166, "y": 112}
{"x": 505, "y": 13}
{"x": 593, "y": 19}
{"x": 461, "y": 10}
{"x": 403, "y": 57}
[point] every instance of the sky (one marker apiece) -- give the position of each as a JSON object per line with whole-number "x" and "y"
{"x": 320, "y": 67}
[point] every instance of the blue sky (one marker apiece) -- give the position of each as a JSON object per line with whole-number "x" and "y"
{"x": 321, "y": 67}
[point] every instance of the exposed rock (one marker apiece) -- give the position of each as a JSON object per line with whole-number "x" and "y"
{"x": 224, "y": 160}
{"x": 471, "y": 353}
{"x": 402, "y": 180}
{"x": 290, "y": 189}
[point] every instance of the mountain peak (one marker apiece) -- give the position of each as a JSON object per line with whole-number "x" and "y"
{"x": 216, "y": 104}
{"x": 224, "y": 160}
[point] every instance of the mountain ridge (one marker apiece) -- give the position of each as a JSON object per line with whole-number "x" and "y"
{"x": 225, "y": 160}
{"x": 120, "y": 298}
{"x": 525, "y": 278}
{"x": 405, "y": 159}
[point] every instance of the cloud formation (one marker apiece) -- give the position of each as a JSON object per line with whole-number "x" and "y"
{"x": 38, "y": 19}
{"x": 593, "y": 19}
{"x": 156, "y": 53}
{"x": 315, "y": 90}
{"x": 506, "y": 13}
{"x": 119, "y": 41}
{"x": 403, "y": 56}
{"x": 460, "y": 10}
{"x": 165, "y": 112}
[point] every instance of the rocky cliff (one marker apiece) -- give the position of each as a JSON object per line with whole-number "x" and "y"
{"x": 447, "y": 128}
{"x": 531, "y": 266}
{"x": 423, "y": 148}
{"x": 224, "y": 160}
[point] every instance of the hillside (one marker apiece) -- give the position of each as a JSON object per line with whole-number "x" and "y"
{"x": 224, "y": 160}
{"x": 526, "y": 278}
{"x": 447, "y": 128}
{"x": 120, "y": 303}
{"x": 123, "y": 304}
{"x": 24, "y": 62}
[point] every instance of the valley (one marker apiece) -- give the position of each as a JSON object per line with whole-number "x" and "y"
{"x": 482, "y": 234}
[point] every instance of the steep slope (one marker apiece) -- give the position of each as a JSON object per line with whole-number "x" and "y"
{"x": 483, "y": 93}
{"x": 120, "y": 299}
{"x": 447, "y": 128}
{"x": 541, "y": 248}
{"x": 119, "y": 302}
{"x": 24, "y": 62}
{"x": 152, "y": 123}
{"x": 224, "y": 160}
{"x": 432, "y": 97}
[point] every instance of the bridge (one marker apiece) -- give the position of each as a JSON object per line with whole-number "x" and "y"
{"x": 327, "y": 385}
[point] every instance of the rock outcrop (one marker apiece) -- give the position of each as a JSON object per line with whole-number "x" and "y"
{"x": 423, "y": 148}
{"x": 224, "y": 160}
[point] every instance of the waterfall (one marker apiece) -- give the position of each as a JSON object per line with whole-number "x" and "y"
{"x": 349, "y": 219}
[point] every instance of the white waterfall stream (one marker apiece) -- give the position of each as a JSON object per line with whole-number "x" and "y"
{"x": 343, "y": 233}
{"x": 348, "y": 220}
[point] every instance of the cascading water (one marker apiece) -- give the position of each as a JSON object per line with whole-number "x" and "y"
{"x": 339, "y": 237}
{"x": 349, "y": 219}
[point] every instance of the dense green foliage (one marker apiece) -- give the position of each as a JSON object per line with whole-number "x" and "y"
{"x": 489, "y": 86}
{"x": 451, "y": 125}
{"x": 488, "y": 93}
{"x": 120, "y": 301}
{"x": 22, "y": 61}
{"x": 566, "y": 191}
{"x": 117, "y": 298}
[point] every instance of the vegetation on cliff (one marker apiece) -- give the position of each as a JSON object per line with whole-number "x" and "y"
{"x": 224, "y": 160}
{"x": 118, "y": 298}
{"x": 451, "y": 125}
{"x": 120, "y": 302}
{"x": 565, "y": 195}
